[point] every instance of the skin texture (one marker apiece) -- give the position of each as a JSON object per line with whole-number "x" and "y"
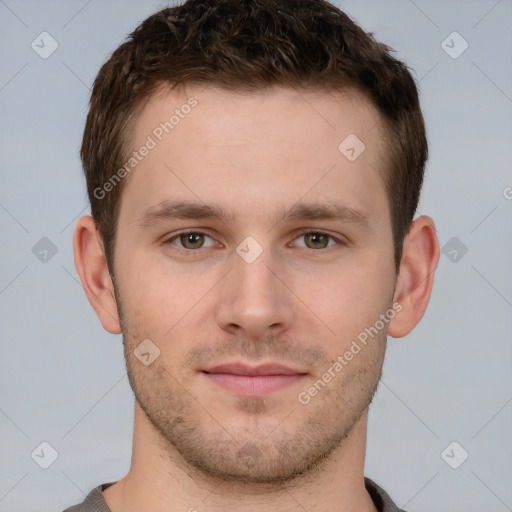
{"x": 300, "y": 303}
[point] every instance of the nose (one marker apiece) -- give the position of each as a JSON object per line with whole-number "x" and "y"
{"x": 255, "y": 298}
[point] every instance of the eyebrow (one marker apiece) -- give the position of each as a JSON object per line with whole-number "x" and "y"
{"x": 167, "y": 210}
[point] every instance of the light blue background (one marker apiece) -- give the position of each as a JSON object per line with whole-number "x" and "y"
{"x": 63, "y": 377}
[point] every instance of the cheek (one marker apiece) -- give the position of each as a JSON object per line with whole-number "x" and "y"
{"x": 346, "y": 298}
{"x": 159, "y": 296}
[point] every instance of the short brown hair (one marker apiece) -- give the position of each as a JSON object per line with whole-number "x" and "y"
{"x": 248, "y": 45}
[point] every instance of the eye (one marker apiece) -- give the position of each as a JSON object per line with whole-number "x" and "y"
{"x": 190, "y": 240}
{"x": 317, "y": 239}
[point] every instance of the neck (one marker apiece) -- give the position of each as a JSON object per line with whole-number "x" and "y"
{"x": 160, "y": 480}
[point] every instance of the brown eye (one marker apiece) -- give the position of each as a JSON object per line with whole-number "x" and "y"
{"x": 192, "y": 240}
{"x": 316, "y": 240}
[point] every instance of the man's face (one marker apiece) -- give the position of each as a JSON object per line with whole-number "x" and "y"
{"x": 255, "y": 289}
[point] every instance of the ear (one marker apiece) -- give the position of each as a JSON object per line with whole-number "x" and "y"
{"x": 91, "y": 265}
{"x": 420, "y": 257}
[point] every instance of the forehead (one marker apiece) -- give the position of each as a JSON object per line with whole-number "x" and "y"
{"x": 269, "y": 108}
{"x": 208, "y": 141}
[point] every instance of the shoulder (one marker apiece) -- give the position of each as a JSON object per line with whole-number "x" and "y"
{"x": 93, "y": 502}
{"x": 380, "y": 497}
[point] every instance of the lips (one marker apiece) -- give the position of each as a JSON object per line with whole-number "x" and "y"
{"x": 243, "y": 379}
{"x": 264, "y": 369}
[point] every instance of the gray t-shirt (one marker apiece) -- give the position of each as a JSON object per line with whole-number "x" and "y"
{"x": 94, "y": 501}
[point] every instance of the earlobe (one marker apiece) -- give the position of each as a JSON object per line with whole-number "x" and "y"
{"x": 420, "y": 257}
{"x": 91, "y": 265}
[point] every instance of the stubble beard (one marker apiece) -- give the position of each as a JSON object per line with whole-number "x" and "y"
{"x": 199, "y": 441}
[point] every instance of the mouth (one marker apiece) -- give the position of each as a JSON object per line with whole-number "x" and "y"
{"x": 246, "y": 380}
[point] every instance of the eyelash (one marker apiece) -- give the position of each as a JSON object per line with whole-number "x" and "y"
{"x": 303, "y": 232}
